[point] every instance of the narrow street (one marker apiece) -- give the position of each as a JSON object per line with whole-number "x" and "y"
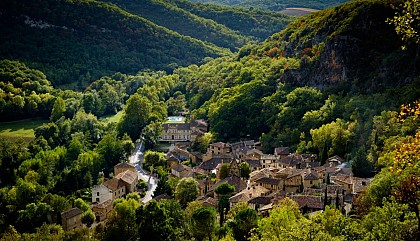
{"x": 137, "y": 160}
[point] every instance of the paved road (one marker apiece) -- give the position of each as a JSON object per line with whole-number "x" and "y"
{"x": 137, "y": 160}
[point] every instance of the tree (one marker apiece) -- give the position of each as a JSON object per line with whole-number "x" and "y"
{"x": 127, "y": 145}
{"x": 88, "y": 217}
{"x": 243, "y": 223}
{"x": 236, "y": 209}
{"x": 110, "y": 149}
{"x": 136, "y": 116}
{"x": 407, "y": 21}
{"x": 224, "y": 171}
{"x": 186, "y": 190}
{"x": 160, "y": 221}
{"x": 151, "y": 134}
{"x": 244, "y": 169}
{"x": 204, "y": 141}
{"x": 121, "y": 224}
{"x": 224, "y": 190}
{"x": 360, "y": 166}
{"x": 204, "y": 223}
{"x": 153, "y": 158}
{"x": 58, "y": 109}
{"x": 82, "y": 205}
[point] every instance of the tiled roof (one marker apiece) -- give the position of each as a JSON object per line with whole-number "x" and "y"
{"x": 212, "y": 163}
{"x": 105, "y": 204}
{"x": 315, "y": 202}
{"x": 311, "y": 176}
{"x": 124, "y": 165}
{"x": 260, "y": 200}
{"x": 336, "y": 159}
{"x": 209, "y": 201}
{"x": 235, "y": 181}
{"x": 249, "y": 193}
{"x": 291, "y": 160}
{"x": 283, "y": 150}
{"x": 220, "y": 144}
{"x": 127, "y": 176}
{"x": 267, "y": 180}
{"x": 114, "y": 184}
{"x": 181, "y": 168}
{"x": 253, "y": 163}
{"x": 71, "y": 213}
{"x": 171, "y": 157}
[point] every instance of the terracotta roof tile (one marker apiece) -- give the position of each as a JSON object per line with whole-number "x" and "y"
{"x": 71, "y": 213}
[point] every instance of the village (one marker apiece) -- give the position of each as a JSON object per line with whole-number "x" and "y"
{"x": 271, "y": 176}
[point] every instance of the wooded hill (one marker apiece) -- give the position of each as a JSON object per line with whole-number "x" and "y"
{"x": 83, "y": 40}
{"x": 276, "y": 5}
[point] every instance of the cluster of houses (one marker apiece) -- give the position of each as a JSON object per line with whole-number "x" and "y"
{"x": 275, "y": 176}
{"x": 300, "y": 177}
{"x": 124, "y": 181}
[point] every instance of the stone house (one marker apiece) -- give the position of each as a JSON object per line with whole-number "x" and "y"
{"x": 71, "y": 219}
{"x": 311, "y": 179}
{"x": 130, "y": 180}
{"x": 181, "y": 171}
{"x": 101, "y": 193}
{"x": 272, "y": 184}
{"x": 123, "y": 166}
{"x": 219, "y": 148}
{"x": 268, "y": 161}
{"x": 282, "y": 151}
{"x": 102, "y": 210}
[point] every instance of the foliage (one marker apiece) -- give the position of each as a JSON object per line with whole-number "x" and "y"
{"x": 186, "y": 190}
{"x": 244, "y": 169}
{"x": 244, "y": 221}
{"x": 407, "y": 21}
{"x": 276, "y": 5}
{"x": 88, "y": 217}
{"x": 204, "y": 223}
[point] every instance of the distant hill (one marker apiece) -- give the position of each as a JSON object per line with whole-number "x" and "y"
{"x": 349, "y": 45}
{"x": 79, "y": 41}
{"x": 276, "y": 5}
{"x": 255, "y": 23}
{"x": 297, "y": 11}
{"x": 82, "y": 40}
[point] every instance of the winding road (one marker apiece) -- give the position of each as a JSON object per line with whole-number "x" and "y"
{"x": 137, "y": 160}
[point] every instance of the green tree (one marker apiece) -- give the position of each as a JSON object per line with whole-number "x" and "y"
{"x": 407, "y": 21}
{"x": 136, "y": 116}
{"x": 224, "y": 171}
{"x": 151, "y": 134}
{"x": 58, "y": 109}
{"x": 224, "y": 191}
{"x": 204, "y": 223}
{"x": 243, "y": 223}
{"x": 186, "y": 190}
{"x": 121, "y": 224}
{"x": 244, "y": 169}
{"x": 88, "y": 217}
{"x": 111, "y": 150}
{"x": 82, "y": 205}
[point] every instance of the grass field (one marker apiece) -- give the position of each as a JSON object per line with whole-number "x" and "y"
{"x": 113, "y": 118}
{"x": 21, "y": 129}
{"x": 298, "y": 11}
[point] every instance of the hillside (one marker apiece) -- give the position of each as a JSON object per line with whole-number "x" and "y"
{"x": 276, "y": 5}
{"x": 350, "y": 46}
{"x": 165, "y": 14}
{"x": 255, "y": 23}
{"x": 82, "y": 40}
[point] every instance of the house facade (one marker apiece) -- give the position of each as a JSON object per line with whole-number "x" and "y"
{"x": 177, "y": 129}
{"x": 71, "y": 219}
{"x": 100, "y": 193}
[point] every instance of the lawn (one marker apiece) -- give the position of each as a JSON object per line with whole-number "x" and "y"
{"x": 21, "y": 129}
{"x": 112, "y": 118}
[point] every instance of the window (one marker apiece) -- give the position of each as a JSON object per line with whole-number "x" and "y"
{"x": 310, "y": 182}
{"x": 97, "y": 194}
{"x": 97, "y": 199}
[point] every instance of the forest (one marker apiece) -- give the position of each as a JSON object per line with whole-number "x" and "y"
{"x": 276, "y": 5}
{"x": 342, "y": 81}
{"x": 77, "y": 42}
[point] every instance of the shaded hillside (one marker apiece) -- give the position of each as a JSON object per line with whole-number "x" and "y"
{"x": 82, "y": 40}
{"x": 256, "y": 23}
{"x": 351, "y": 46}
{"x": 179, "y": 20}
{"x": 276, "y": 5}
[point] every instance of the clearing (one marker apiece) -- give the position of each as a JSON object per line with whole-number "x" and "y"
{"x": 21, "y": 129}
